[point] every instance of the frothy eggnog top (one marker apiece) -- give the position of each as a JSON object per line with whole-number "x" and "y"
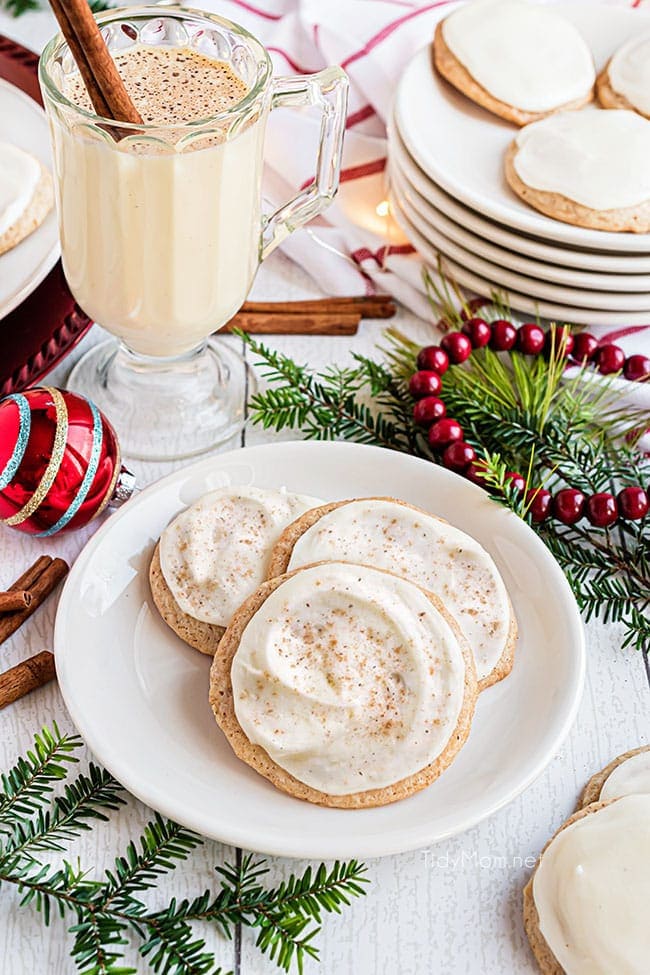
{"x": 169, "y": 85}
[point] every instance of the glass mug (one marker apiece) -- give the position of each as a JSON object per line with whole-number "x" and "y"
{"x": 162, "y": 229}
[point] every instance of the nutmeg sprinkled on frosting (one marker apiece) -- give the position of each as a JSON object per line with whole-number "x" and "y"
{"x": 216, "y": 552}
{"x": 349, "y": 678}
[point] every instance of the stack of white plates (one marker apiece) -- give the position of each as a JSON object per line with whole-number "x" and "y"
{"x": 450, "y": 197}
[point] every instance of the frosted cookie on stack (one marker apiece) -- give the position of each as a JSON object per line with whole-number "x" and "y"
{"x": 520, "y": 60}
{"x": 215, "y": 554}
{"x": 585, "y": 905}
{"x": 344, "y": 685}
{"x": 585, "y": 168}
{"x": 26, "y": 195}
{"x": 392, "y": 535}
{"x": 627, "y": 775}
{"x": 624, "y": 82}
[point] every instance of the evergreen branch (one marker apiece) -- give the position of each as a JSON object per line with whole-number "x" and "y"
{"x": 28, "y": 785}
{"x": 162, "y": 845}
{"x": 105, "y": 912}
{"x": 83, "y": 801}
{"x": 18, "y": 7}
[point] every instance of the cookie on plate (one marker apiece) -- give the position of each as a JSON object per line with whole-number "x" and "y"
{"x": 344, "y": 685}
{"x": 624, "y": 82}
{"x": 519, "y": 60}
{"x": 215, "y": 554}
{"x": 584, "y": 905}
{"x": 390, "y": 534}
{"x": 585, "y": 168}
{"x": 629, "y": 774}
{"x": 26, "y": 195}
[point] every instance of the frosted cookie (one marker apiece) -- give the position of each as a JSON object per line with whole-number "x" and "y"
{"x": 629, "y": 774}
{"x": 395, "y": 536}
{"x": 215, "y": 554}
{"x": 585, "y": 168}
{"x": 344, "y": 685}
{"x": 521, "y": 61}
{"x": 26, "y": 195}
{"x": 624, "y": 82}
{"x": 584, "y": 907}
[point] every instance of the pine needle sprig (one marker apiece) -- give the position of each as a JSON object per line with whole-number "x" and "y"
{"x": 18, "y": 7}
{"x": 106, "y": 914}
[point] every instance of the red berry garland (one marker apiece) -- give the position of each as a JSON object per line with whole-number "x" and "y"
{"x": 446, "y": 435}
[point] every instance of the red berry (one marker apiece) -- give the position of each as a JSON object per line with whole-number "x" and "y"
{"x": 530, "y": 339}
{"x": 601, "y": 509}
{"x": 434, "y": 358}
{"x": 457, "y": 346}
{"x": 517, "y": 481}
{"x": 568, "y": 506}
{"x": 633, "y": 503}
{"x": 584, "y": 346}
{"x": 504, "y": 335}
{"x": 563, "y": 339}
{"x": 609, "y": 358}
{"x": 636, "y": 368}
{"x": 477, "y": 331}
{"x": 472, "y": 306}
{"x": 539, "y": 503}
{"x": 428, "y": 410}
{"x": 476, "y": 473}
{"x": 424, "y": 383}
{"x": 444, "y": 432}
{"x": 458, "y": 455}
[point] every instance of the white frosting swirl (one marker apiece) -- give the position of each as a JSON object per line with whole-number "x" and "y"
{"x": 19, "y": 175}
{"x": 524, "y": 54}
{"x": 631, "y": 777}
{"x": 591, "y": 890}
{"x": 349, "y": 678}
{"x": 596, "y": 158}
{"x": 215, "y": 553}
{"x": 629, "y": 72}
{"x": 429, "y": 552}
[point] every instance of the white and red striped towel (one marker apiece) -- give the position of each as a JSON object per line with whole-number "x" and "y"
{"x": 355, "y": 248}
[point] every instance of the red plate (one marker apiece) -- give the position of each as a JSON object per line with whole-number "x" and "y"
{"x": 43, "y": 329}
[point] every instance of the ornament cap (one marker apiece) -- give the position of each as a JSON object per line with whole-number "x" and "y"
{"x": 124, "y": 488}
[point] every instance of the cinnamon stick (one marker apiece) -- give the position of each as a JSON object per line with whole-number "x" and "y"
{"x": 44, "y": 584}
{"x": 277, "y": 323}
{"x": 26, "y": 676}
{"x": 29, "y": 577}
{"x": 368, "y": 306}
{"x": 14, "y": 599}
{"x": 103, "y": 82}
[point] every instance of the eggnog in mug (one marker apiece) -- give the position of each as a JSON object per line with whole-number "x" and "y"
{"x": 161, "y": 220}
{"x": 160, "y": 231}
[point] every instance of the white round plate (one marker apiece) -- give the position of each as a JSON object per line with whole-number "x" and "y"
{"x": 405, "y": 194}
{"x": 462, "y": 146}
{"x": 139, "y": 696}
{"x": 475, "y": 282}
{"x": 23, "y": 123}
{"x": 462, "y": 217}
{"x": 598, "y": 300}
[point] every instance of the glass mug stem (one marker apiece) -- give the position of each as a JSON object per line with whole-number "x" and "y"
{"x": 328, "y": 90}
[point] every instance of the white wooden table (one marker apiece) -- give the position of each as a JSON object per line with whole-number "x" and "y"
{"x": 454, "y": 908}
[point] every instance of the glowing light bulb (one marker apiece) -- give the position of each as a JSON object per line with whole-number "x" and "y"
{"x": 382, "y": 209}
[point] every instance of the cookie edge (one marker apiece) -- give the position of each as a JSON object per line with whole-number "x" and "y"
{"x": 591, "y": 792}
{"x": 33, "y": 215}
{"x": 201, "y": 636}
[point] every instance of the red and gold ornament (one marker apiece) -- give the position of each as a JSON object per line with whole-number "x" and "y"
{"x": 60, "y": 462}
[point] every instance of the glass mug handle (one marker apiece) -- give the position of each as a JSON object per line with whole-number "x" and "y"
{"x": 327, "y": 89}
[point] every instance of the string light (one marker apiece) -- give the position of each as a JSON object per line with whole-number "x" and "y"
{"x": 382, "y": 209}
